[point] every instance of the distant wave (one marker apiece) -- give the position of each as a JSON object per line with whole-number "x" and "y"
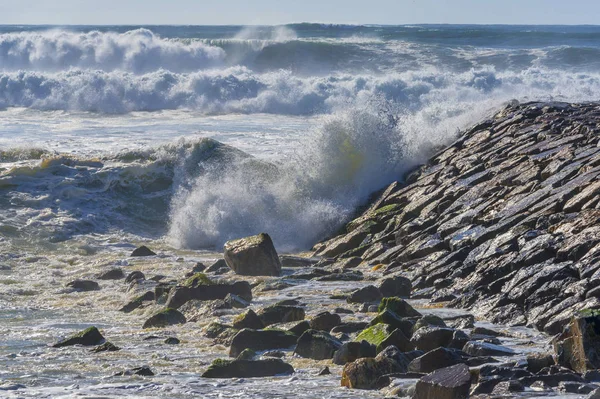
{"x": 240, "y": 90}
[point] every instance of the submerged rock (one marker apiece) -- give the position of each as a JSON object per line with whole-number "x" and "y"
{"x": 88, "y": 337}
{"x": 259, "y": 340}
{"x": 253, "y": 256}
{"x": 112, "y": 274}
{"x": 84, "y": 285}
{"x": 247, "y": 368}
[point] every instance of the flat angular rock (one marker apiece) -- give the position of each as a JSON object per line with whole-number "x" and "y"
{"x": 247, "y": 368}
{"x": 253, "y": 256}
{"x": 434, "y": 360}
{"x": 478, "y": 348}
{"x": 431, "y": 337}
{"x": 88, "y": 337}
{"x": 182, "y": 294}
{"x": 451, "y": 382}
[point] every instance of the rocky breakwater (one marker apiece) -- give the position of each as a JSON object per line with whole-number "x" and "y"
{"x": 505, "y": 221}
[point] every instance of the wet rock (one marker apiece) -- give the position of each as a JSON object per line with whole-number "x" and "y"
{"x": 88, "y": 337}
{"x": 394, "y": 321}
{"x": 221, "y": 333}
{"x": 538, "y": 362}
{"x": 248, "y": 319}
{"x": 397, "y": 286}
{"x": 478, "y": 348}
{"x": 299, "y": 328}
{"x": 451, "y": 382}
{"x": 325, "y": 321}
{"x": 369, "y": 293}
{"x": 137, "y": 302}
{"x": 399, "y": 307}
{"x": 324, "y": 371}
{"x": 281, "y": 314}
{"x": 167, "y": 317}
{"x": 253, "y": 256}
{"x": 434, "y": 360}
{"x": 84, "y": 285}
{"x": 374, "y": 335}
{"x": 143, "y": 251}
{"x": 317, "y": 345}
{"x": 134, "y": 276}
{"x": 236, "y": 301}
{"x": 431, "y": 337}
{"x": 350, "y": 327}
{"x": 206, "y": 292}
{"x": 247, "y": 368}
{"x": 398, "y": 339}
{"x": 143, "y": 371}
{"x": 112, "y": 274}
{"x": 106, "y": 347}
{"x": 172, "y": 341}
{"x": 217, "y": 266}
{"x": 277, "y": 354}
{"x": 247, "y": 354}
{"x": 350, "y": 351}
{"x": 364, "y": 373}
{"x": 259, "y": 340}
{"x": 429, "y": 320}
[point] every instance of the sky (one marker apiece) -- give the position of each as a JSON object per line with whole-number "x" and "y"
{"x": 272, "y": 12}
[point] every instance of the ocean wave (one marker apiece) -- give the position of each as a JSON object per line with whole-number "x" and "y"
{"x": 137, "y": 51}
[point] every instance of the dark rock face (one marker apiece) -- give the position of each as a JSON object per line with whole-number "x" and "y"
{"x": 369, "y": 293}
{"x": 106, "y": 347}
{"x": 317, "y": 345}
{"x": 248, "y": 319}
{"x": 451, "y": 382}
{"x": 143, "y": 371}
{"x": 259, "y": 340}
{"x": 396, "y": 286}
{"x": 477, "y": 348}
{"x": 253, "y": 256}
{"x": 506, "y": 220}
{"x": 137, "y": 302}
{"x": 247, "y": 368}
{"x": 167, "y": 317}
{"x": 88, "y": 337}
{"x": 143, "y": 251}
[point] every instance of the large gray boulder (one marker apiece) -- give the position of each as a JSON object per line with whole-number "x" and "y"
{"x": 253, "y": 256}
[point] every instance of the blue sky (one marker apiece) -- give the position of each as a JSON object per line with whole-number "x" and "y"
{"x": 221, "y": 12}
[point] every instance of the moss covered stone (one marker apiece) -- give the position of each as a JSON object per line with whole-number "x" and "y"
{"x": 88, "y": 337}
{"x": 374, "y": 334}
{"x": 167, "y": 317}
{"x": 196, "y": 280}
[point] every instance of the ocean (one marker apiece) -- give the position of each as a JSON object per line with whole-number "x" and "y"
{"x": 184, "y": 137}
